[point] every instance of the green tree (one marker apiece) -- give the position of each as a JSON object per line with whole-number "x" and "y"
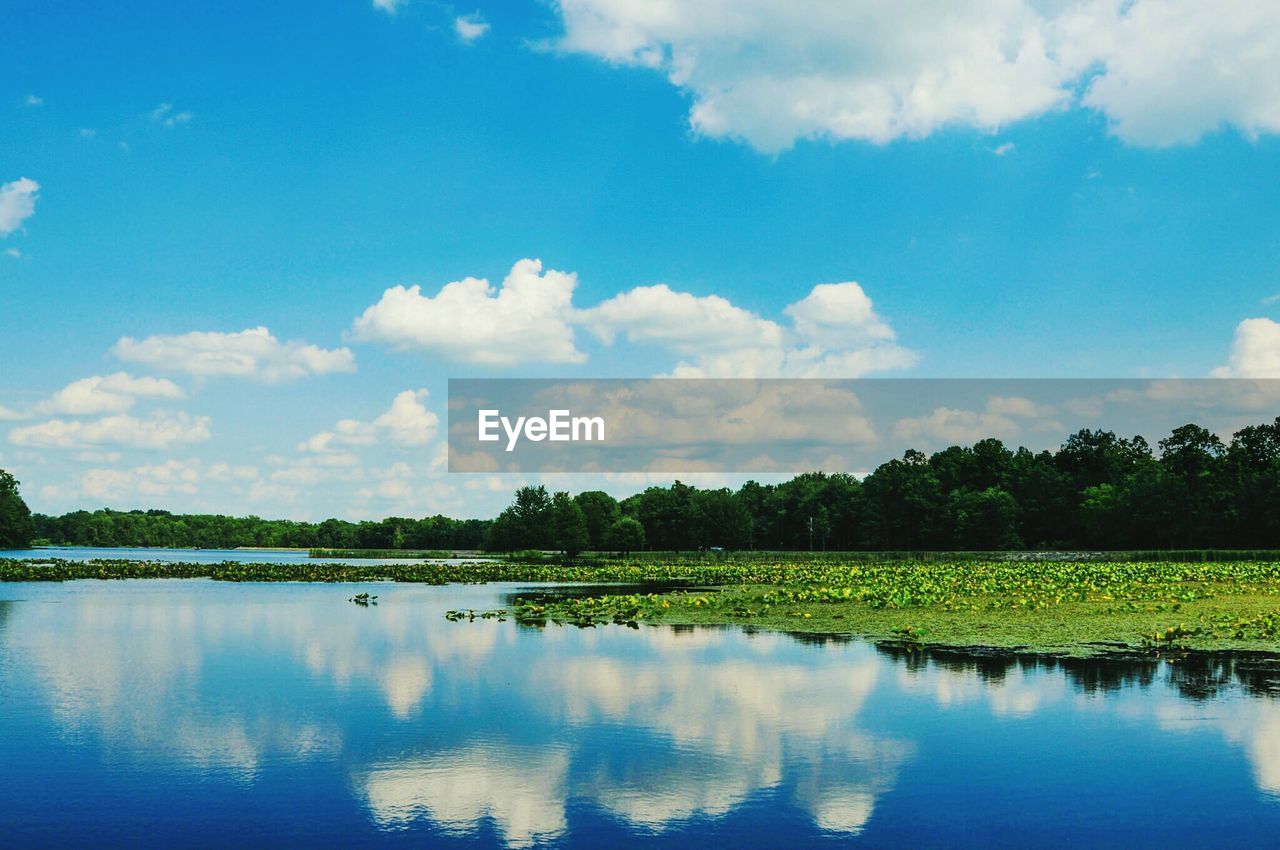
{"x": 16, "y": 526}
{"x": 570, "y": 525}
{"x": 601, "y": 511}
{"x": 984, "y": 519}
{"x": 719, "y": 519}
{"x": 626, "y": 536}
{"x": 526, "y": 524}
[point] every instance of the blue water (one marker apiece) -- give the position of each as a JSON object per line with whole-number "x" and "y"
{"x": 205, "y": 556}
{"x": 193, "y": 713}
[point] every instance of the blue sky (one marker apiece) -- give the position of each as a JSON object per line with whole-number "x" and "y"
{"x": 1066, "y": 189}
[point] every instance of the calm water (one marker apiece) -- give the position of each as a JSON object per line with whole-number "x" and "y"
{"x": 205, "y": 556}
{"x": 194, "y": 713}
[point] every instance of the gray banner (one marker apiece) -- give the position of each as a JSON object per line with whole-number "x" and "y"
{"x": 780, "y": 425}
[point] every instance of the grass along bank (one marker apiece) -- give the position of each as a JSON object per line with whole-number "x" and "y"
{"x": 1072, "y": 607}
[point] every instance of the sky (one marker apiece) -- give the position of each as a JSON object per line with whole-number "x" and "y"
{"x": 244, "y": 246}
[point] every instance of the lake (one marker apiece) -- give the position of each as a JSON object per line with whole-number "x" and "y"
{"x": 208, "y": 556}
{"x": 194, "y": 713}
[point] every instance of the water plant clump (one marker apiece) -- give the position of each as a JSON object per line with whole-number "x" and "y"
{"x": 1073, "y": 607}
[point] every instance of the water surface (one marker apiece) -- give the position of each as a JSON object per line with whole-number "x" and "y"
{"x": 207, "y": 556}
{"x": 194, "y": 713}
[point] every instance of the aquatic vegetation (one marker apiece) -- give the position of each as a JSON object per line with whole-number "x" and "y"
{"x": 364, "y": 600}
{"x": 1074, "y": 606}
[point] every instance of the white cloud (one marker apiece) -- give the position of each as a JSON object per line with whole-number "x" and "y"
{"x": 526, "y": 320}
{"x": 33, "y": 100}
{"x": 17, "y": 203}
{"x": 8, "y": 414}
{"x": 152, "y": 480}
{"x": 113, "y": 393}
{"x": 389, "y": 6}
{"x": 836, "y": 314}
{"x": 1178, "y": 69}
{"x": 13, "y": 252}
{"x": 1003, "y": 149}
{"x": 345, "y": 434}
{"x": 679, "y": 321}
{"x": 252, "y": 353}
{"x": 1255, "y": 352}
{"x": 158, "y": 431}
{"x": 947, "y": 425}
{"x": 407, "y": 422}
{"x": 1017, "y": 406}
{"x": 1004, "y": 417}
{"x": 471, "y": 27}
{"x": 771, "y": 72}
{"x": 834, "y": 331}
{"x": 164, "y": 114}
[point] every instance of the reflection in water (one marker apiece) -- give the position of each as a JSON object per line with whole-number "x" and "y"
{"x": 521, "y": 789}
{"x": 486, "y": 733}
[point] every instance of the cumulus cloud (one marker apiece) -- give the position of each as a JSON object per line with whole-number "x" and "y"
{"x": 252, "y": 353}
{"x": 835, "y": 314}
{"x": 950, "y": 426}
{"x": 1004, "y": 417}
{"x": 471, "y": 27}
{"x": 113, "y": 393}
{"x": 680, "y": 321}
{"x": 768, "y": 72}
{"x": 1175, "y": 70}
{"x": 407, "y": 423}
{"x": 343, "y": 435}
{"x": 1255, "y": 353}
{"x": 526, "y": 320}
{"x": 150, "y": 480}
{"x": 17, "y": 203}
{"x": 158, "y": 431}
{"x": 389, "y": 6}
{"x": 834, "y": 331}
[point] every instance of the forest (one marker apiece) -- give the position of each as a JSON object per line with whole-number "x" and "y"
{"x": 1097, "y": 491}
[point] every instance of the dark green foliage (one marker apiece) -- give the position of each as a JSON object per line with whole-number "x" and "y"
{"x": 601, "y": 511}
{"x": 626, "y": 535}
{"x": 209, "y": 531}
{"x": 16, "y": 527}
{"x": 526, "y": 524}
{"x": 569, "y": 524}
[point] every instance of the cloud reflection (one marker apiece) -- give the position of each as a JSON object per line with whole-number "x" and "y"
{"x": 521, "y": 790}
{"x": 482, "y": 728}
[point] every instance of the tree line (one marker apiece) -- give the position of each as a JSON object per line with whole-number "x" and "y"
{"x": 1097, "y": 491}
{"x": 211, "y": 531}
